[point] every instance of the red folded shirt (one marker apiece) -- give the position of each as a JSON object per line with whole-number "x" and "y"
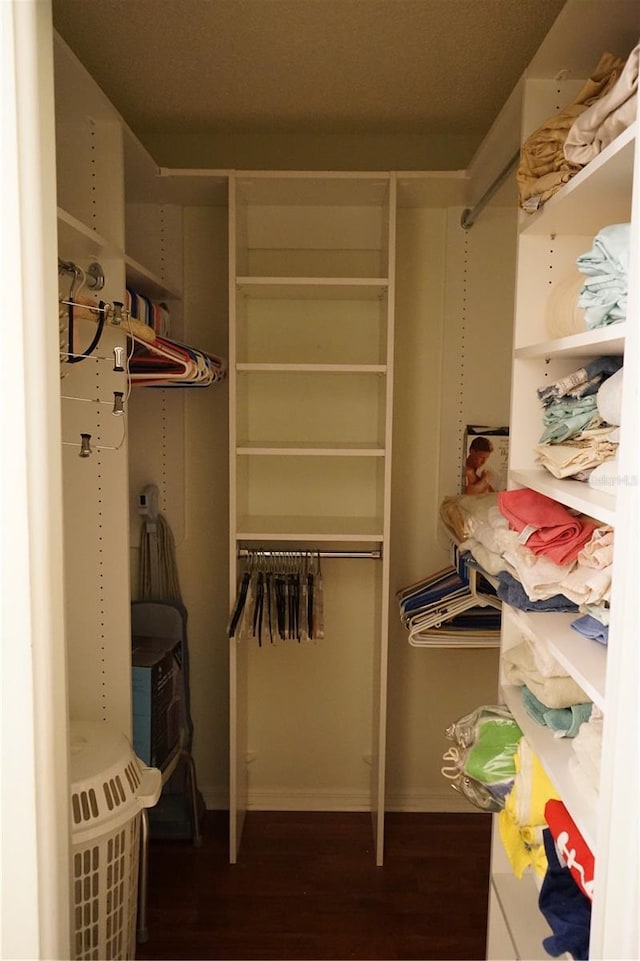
{"x": 547, "y": 527}
{"x": 572, "y": 849}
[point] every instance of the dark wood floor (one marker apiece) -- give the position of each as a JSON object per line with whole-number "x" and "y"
{"x": 306, "y": 887}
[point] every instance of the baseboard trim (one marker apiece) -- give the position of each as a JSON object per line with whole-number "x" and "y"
{"x": 428, "y": 803}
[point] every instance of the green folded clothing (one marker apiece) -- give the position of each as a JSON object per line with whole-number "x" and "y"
{"x": 491, "y": 756}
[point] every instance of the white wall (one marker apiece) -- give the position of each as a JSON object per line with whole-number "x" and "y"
{"x": 453, "y": 343}
{"x": 178, "y": 440}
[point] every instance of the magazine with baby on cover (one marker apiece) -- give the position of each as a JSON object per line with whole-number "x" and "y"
{"x": 485, "y": 459}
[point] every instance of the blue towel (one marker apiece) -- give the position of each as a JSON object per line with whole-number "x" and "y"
{"x": 591, "y": 627}
{"x": 511, "y": 591}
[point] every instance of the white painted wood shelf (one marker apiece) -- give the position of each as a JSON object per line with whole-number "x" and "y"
{"x": 549, "y": 243}
{"x": 311, "y": 379}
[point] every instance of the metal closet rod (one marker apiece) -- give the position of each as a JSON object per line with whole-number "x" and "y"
{"x": 368, "y": 555}
{"x": 469, "y": 215}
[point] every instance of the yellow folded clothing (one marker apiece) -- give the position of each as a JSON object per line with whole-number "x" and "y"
{"x": 522, "y": 820}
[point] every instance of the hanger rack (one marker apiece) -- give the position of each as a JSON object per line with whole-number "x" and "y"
{"x": 357, "y": 555}
{"x": 93, "y": 276}
{"x": 154, "y": 360}
{"x": 161, "y": 362}
{"x": 280, "y": 597}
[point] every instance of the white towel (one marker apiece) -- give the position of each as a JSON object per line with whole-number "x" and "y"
{"x": 555, "y": 691}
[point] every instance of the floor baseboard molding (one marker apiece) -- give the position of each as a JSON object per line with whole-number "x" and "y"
{"x": 217, "y": 800}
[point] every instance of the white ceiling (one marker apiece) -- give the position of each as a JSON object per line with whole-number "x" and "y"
{"x": 437, "y": 71}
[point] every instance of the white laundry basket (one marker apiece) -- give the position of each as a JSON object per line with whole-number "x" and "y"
{"x": 109, "y": 788}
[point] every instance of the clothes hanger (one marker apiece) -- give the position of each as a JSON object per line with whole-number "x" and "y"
{"x": 429, "y": 608}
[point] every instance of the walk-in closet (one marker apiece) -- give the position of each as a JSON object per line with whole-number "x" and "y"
{"x": 273, "y": 363}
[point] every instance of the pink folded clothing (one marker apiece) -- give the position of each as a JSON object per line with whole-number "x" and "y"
{"x": 545, "y": 526}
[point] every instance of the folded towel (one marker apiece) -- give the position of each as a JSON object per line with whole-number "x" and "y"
{"x": 557, "y": 691}
{"x": 574, "y": 456}
{"x": 587, "y": 748}
{"x": 511, "y": 591}
{"x": 563, "y": 721}
{"x": 586, "y": 785}
{"x": 591, "y": 627}
{"x": 587, "y": 585}
{"x": 606, "y": 267}
{"x": 601, "y": 612}
{"x": 569, "y": 416}
{"x": 545, "y": 526}
{"x": 604, "y": 120}
{"x": 598, "y": 551}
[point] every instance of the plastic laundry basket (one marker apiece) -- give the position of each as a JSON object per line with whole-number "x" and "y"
{"x": 109, "y": 788}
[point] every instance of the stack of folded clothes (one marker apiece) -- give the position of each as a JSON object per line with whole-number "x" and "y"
{"x": 566, "y": 558}
{"x": 543, "y": 166}
{"x": 571, "y": 138}
{"x": 603, "y": 295}
{"x": 581, "y": 414}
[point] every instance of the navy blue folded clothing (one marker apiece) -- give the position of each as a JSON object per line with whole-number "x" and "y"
{"x": 565, "y": 907}
{"x": 591, "y": 627}
{"x": 512, "y": 592}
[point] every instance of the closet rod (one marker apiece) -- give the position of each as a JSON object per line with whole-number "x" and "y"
{"x": 368, "y": 555}
{"x": 93, "y": 275}
{"x": 470, "y": 214}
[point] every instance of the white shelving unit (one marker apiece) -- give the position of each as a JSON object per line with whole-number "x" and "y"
{"x": 311, "y": 363}
{"x": 90, "y": 172}
{"x": 548, "y": 245}
{"x": 115, "y": 207}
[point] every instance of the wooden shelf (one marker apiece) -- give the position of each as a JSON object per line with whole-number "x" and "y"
{"x": 308, "y": 449}
{"x": 321, "y": 529}
{"x": 77, "y": 240}
{"x": 336, "y": 288}
{"x": 314, "y": 368}
{"x": 602, "y": 341}
{"x": 598, "y": 195}
{"x": 575, "y": 494}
